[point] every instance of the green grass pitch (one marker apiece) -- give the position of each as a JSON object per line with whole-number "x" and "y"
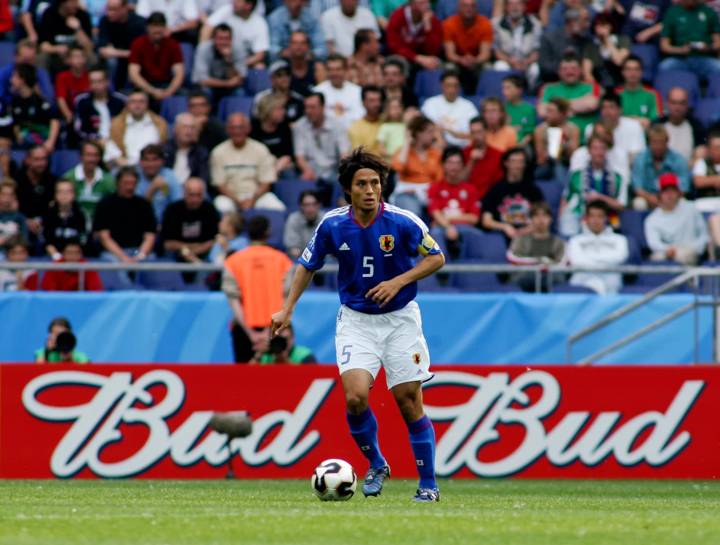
{"x": 245, "y": 512}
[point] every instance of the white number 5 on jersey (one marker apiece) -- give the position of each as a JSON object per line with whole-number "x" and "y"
{"x": 368, "y": 267}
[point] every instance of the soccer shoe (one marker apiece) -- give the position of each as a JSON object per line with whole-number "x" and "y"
{"x": 427, "y": 495}
{"x": 374, "y": 479}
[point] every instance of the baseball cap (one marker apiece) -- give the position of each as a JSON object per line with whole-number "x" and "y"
{"x": 277, "y": 66}
{"x": 667, "y": 180}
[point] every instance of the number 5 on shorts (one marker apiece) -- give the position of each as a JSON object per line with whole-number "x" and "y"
{"x": 346, "y": 354}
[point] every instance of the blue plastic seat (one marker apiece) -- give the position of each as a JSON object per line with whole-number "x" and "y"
{"x": 666, "y": 80}
{"x": 446, "y": 8}
{"x": 7, "y": 53}
{"x": 161, "y": 280}
{"x": 490, "y": 247}
{"x": 649, "y": 56}
{"x": 288, "y": 191}
{"x": 277, "y": 224}
{"x": 707, "y": 111}
{"x": 63, "y": 160}
{"x": 632, "y": 224}
{"x": 427, "y": 83}
{"x": 172, "y": 106}
{"x": 231, "y": 105}
{"x": 490, "y": 82}
{"x": 713, "y": 86}
{"x": 188, "y": 52}
{"x": 552, "y": 193}
{"x": 257, "y": 80}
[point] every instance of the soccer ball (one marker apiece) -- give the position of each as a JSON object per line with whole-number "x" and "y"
{"x": 334, "y": 480}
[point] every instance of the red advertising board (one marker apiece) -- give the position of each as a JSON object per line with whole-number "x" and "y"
{"x": 148, "y": 421}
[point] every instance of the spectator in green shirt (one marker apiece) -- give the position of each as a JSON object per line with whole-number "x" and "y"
{"x": 91, "y": 181}
{"x": 691, "y": 38}
{"x": 282, "y": 349}
{"x": 640, "y": 102}
{"x": 521, "y": 113}
{"x": 60, "y": 345}
{"x": 583, "y": 97}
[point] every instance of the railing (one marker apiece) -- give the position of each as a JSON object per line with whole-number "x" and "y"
{"x": 451, "y": 268}
{"x": 689, "y": 276}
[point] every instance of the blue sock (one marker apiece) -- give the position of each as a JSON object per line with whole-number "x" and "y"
{"x": 363, "y": 428}
{"x": 422, "y": 440}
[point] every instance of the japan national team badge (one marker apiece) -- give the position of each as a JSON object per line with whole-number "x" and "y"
{"x": 416, "y": 358}
{"x": 387, "y": 243}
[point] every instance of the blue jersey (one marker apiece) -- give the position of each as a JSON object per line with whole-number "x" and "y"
{"x": 369, "y": 255}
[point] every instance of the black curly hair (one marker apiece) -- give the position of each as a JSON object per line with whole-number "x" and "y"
{"x": 359, "y": 159}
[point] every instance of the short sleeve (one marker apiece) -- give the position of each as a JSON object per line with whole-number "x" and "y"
{"x": 700, "y": 168}
{"x": 313, "y": 256}
{"x": 419, "y": 239}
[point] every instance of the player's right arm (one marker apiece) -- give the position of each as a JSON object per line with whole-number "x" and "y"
{"x": 312, "y": 259}
{"x": 300, "y": 281}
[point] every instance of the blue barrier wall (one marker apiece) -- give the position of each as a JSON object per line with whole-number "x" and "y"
{"x": 470, "y": 328}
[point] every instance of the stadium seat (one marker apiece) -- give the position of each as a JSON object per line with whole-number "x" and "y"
{"x": 713, "y": 86}
{"x": 664, "y": 81}
{"x": 490, "y": 247}
{"x": 161, "y": 280}
{"x": 188, "y": 52}
{"x": 446, "y": 8}
{"x": 18, "y": 156}
{"x": 256, "y": 81}
{"x": 230, "y": 105}
{"x": 427, "y": 83}
{"x": 632, "y": 226}
{"x": 490, "y": 82}
{"x": 113, "y": 281}
{"x": 634, "y": 252}
{"x": 480, "y": 281}
{"x": 552, "y": 193}
{"x": 288, "y": 191}
{"x": 7, "y": 53}
{"x": 649, "y": 55}
{"x": 707, "y": 111}
{"x": 63, "y": 160}
{"x": 277, "y": 224}
{"x": 172, "y": 106}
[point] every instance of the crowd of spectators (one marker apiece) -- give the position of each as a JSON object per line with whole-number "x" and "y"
{"x": 135, "y": 131}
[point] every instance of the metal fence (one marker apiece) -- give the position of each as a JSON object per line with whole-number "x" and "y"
{"x": 539, "y": 271}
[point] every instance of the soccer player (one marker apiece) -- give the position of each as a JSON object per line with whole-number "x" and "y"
{"x": 378, "y": 322}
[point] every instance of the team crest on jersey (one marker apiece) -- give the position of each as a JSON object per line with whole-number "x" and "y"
{"x": 416, "y": 358}
{"x": 387, "y": 243}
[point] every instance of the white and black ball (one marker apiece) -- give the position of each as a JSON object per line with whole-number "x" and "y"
{"x": 334, "y": 480}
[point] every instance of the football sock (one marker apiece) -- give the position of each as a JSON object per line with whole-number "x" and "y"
{"x": 363, "y": 428}
{"x": 422, "y": 440}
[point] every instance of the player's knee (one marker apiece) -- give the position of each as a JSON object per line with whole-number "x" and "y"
{"x": 410, "y": 406}
{"x": 356, "y": 402}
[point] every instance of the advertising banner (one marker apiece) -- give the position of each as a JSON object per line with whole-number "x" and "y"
{"x": 151, "y": 421}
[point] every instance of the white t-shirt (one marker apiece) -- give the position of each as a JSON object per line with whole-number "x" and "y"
{"x": 175, "y": 11}
{"x": 340, "y": 29}
{"x": 681, "y": 139}
{"x": 251, "y": 33}
{"x": 454, "y": 115}
{"x": 105, "y": 118}
{"x": 344, "y": 104}
{"x": 139, "y": 134}
{"x": 629, "y": 135}
{"x": 181, "y": 168}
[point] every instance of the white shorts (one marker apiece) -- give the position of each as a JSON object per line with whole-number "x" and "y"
{"x": 394, "y": 340}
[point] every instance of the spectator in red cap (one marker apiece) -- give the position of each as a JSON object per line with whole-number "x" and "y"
{"x": 675, "y": 230}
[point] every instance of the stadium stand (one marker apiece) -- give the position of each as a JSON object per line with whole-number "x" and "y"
{"x": 23, "y": 125}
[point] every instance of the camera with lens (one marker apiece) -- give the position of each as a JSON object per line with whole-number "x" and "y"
{"x": 278, "y": 345}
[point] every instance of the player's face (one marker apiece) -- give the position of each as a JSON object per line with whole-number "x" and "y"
{"x": 365, "y": 190}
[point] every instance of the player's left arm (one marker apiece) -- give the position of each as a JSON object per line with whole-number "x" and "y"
{"x": 433, "y": 260}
